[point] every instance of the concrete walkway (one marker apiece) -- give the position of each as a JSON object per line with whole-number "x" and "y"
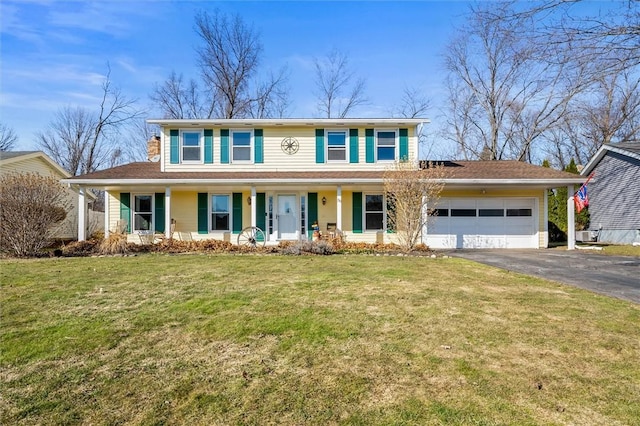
{"x": 615, "y": 276}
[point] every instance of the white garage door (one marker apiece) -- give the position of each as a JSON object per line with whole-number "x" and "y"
{"x": 484, "y": 223}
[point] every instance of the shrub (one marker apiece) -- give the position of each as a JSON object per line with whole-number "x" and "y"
{"x": 81, "y": 248}
{"x": 31, "y": 206}
{"x": 115, "y": 244}
{"x": 309, "y": 247}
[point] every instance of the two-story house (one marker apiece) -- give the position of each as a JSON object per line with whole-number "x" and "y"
{"x": 213, "y": 178}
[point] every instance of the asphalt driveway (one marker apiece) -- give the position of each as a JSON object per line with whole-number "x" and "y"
{"x": 616, "y": 276}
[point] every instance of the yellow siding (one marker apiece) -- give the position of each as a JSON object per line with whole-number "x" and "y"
{"x": 276, "y": 159}
{"x": 184, "y": 210}
{"x": 114, "y": 210}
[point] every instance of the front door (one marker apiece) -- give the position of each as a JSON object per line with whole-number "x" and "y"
{"x": 287, "y": 217}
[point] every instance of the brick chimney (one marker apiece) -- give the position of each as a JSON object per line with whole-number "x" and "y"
{"x": 153, "y": 148}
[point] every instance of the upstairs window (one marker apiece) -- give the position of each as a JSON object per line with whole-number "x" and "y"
{"x": 336, "y": 146}
{"x": 220, "y": 213}
{"x": 241, "y": 145}
{"x": 386, "y": 141}
{"x": 191, "y": 146}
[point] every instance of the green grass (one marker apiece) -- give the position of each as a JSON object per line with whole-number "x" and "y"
{"x": 626, "y": 250}
{"x": 357, "y": 340}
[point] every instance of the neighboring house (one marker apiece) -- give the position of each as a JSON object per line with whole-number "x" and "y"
{"x": 614, "y": 193}
{"x": 213, "y": 178}
{"x": 40, "y": 163}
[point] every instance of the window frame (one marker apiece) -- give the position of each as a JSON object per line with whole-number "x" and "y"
{"x": 251, "y": 145}
{"x": 365, "y": 228}
{"x": 212, "y": 212}
{"x": 345, "y": 132}
{"x": 134, "y": 213}
{"x": 200, "y": 133}
{"x": 396, "y": 146}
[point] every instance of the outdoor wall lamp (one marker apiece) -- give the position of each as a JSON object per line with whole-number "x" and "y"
{"x": 324, "y": 200}
{"x": 249, "y": 200}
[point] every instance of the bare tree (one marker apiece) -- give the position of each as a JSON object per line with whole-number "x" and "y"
{"x": 30, "y": 207}
{"x": 611, "y": 34}
{"x": 8, "y": 138}
{"x": 83, "y": 141}
{"x": 229, "y": 85}
{"x": 338, "y": 91}
{"x": 506, "y": 91}
{"x": 608, "y": 112}
{"x": 411, "y": 192}
{"x": 181, "y": 100}
{"x": 413, "y": 104}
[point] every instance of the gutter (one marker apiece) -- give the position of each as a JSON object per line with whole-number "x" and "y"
{"x": 184, "y": 182}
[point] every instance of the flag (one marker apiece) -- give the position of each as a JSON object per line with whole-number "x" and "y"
{"x": 581, "y": 198}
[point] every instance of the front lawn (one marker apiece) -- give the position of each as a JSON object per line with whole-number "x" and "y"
{"x": 343, "y": 339}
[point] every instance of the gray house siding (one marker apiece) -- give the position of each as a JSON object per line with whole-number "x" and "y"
{"x": 614, "y": 199}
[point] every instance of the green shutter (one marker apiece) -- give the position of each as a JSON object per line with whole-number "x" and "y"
{"x": 354, "y": 155}
{"x": 313, "y": 211}
{"x": 404, "y": 144}
{"x": 370, "y": 146}
{"x": 208, "y": 146}
{"x": 261, "y": 212}
{"x": 203, "y": 213}
{"x": 319, "y": 145}
{"x": 159, "y": 212}
{"x": 237, "y": 212}
{"x": 174, "y": 148}
{"x": 258, "y": 146}
{"x": 357, "y": 212}
{"x": 224, "y": 146}
{"x": 125, "y": 209}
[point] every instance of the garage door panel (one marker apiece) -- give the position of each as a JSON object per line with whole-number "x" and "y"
{"x": 484, "y": 223}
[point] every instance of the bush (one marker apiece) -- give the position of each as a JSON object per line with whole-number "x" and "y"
{"x": 309, "y": 247}
{"x": 81, "y": 248}
{"x": 115, "y": 244}
{"x": 31, "y": 206}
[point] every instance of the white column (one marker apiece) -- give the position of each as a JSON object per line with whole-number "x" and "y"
{"x": 82, "y": 214}
{"x": 253, "y": 207}
{"x": 106, "y": 214}
{"x": 339, "y": 208}
{"x": 545, "y": 214}
{"x": 167, "y": 212}
{"x": 425, "y": 220}
{"x": 571, "y": 220}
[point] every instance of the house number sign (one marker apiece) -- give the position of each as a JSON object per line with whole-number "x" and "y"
{"x": 289, "y": 146}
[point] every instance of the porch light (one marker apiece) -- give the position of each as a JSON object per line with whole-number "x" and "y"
{"x": 324, "y": 200}
{"x": 249, "y": 200}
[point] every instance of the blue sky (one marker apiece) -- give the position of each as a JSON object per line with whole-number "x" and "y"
{"x": 55, "y": 54}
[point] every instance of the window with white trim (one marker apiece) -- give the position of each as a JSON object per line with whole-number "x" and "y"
{"x": 220, "y": 212}
{"x": 336, "y": 145}
{"x": 373, "y": 212}
{"x": 386, "y": 144}
{"x": 241, "y": 145}
{"x": 142, "y": 212}
{"x": 191, "y": 146}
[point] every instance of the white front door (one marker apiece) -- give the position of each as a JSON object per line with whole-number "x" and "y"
{"x": 287, "y": 217}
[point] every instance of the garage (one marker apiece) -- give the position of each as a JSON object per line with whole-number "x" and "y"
{"x": 483, "y": 223}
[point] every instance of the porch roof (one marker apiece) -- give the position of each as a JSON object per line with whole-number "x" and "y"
{"x": 457, "y": 173}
